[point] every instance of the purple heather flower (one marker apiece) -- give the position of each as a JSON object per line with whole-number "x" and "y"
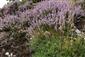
{"x": 51, "y": 12}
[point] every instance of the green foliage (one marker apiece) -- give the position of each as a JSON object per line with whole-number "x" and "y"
{"x": 35, "y": 1}
{"x": 49, "y": 43}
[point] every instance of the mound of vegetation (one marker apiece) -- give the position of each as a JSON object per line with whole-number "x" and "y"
{"x": 42, "y": 28}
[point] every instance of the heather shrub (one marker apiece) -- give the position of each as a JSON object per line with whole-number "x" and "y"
{"x": 51, "y": 12}
{"x": 13, "y": 40}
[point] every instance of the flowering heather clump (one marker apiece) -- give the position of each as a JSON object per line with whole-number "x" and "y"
{"x": 52, "y": 12}
{"x": 55, "y": 13}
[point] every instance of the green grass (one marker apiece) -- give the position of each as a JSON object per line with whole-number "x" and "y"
{"x": 49, "y": 43}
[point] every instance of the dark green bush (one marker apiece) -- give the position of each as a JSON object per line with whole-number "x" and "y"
{"x": 35, "y": 1}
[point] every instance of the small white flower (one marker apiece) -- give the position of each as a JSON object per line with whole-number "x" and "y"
{"x": 7, "y": 53}
{"x": 31, "y": 38}
{"x": 11, "y": 54}
{"x": 77, "y": 31}
{"x": 84, "y": 38}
